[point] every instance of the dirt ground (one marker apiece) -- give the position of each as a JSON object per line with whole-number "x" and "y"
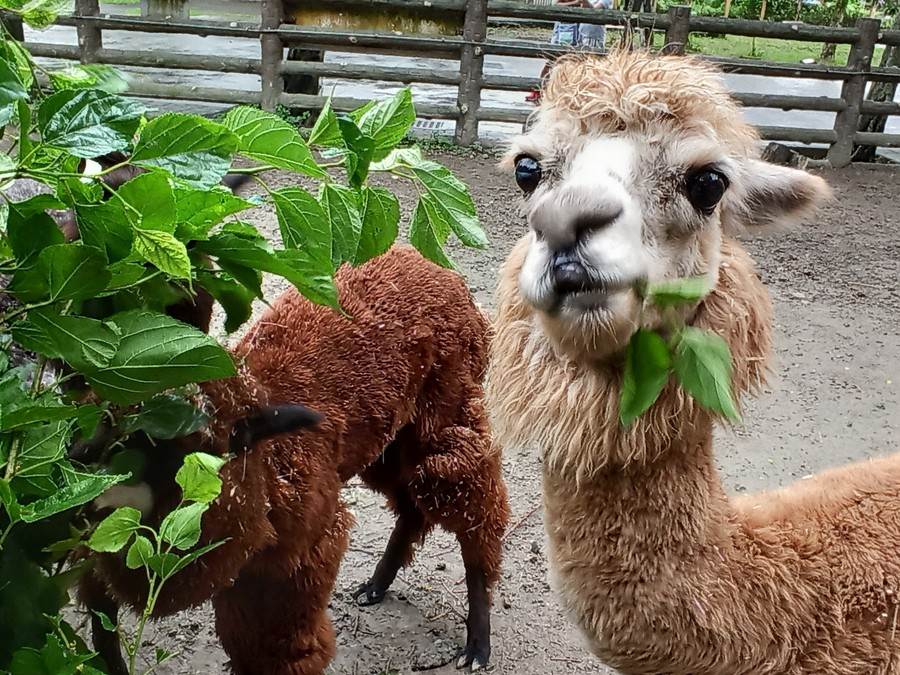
{"x": 835, "y": 397}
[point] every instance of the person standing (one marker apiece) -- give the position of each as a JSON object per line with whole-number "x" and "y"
{"x": 583, "y": 35}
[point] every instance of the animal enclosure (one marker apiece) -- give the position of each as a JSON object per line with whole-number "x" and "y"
{"x": 468, "y": 49}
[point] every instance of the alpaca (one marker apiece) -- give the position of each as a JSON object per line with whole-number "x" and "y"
{"x": 396, "y": 386}
{"x": 637, "y": 169}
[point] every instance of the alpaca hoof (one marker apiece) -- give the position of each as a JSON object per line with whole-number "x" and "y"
{"x": 474, "y": 657}
{"x": 368, "y": 594}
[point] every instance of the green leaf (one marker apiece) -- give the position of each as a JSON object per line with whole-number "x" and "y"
{"x": 326, "y": 133}
{"x": 270, "y": 139}
{"x": 125, "y": 274}
{"x": 193, "y": 555}
{"x": 452, "y": 202}
{"x": 198, "y": 211}
{"x": 191, "y": 148}
{"x": 311, "y": 275}
{"x": 157, "y": 352}
{"x": 63, "y": 272}
{"x": 181, "y": 527}
{"x": 8, "y": 499}
{"x": 678, "y": 291}
{"x": 426, "y": 233}
{"x": 115, "y": 530}
{"x": 139, "y": 554}
{"x": 388, "y": 122}
{"x": 129, "y": 461}
{"x": 105, "y": 621}
{"x": 86, "y": 344}
{"x": 89, "y": 76}
{"x": 88, "y": 123}
{"x": 31, "y": 415}
{"x": 108, "y": 226}
{"x": 235, "y": 298}
{"x": 165, "y": 564}
{"x": 41, "y": 14}
{"x": 87, "y": 417}
{"x": 380, "y": 219}
{"x": 164, "y": 251}
{"x": 166, "y": 416}
{"x": 702, "y": 365}
{"x": 199, "y": 477}
{"x": 341, "y": 206}
{"x": 360, "y": 149}
{"x": 30, "y": 230}
{"x": 11, "y": 87}
{"x": 647, "y": 368}
{"x": 41, "y": 448}
{"x": 401, "y": 157}
{"x": 303, "y": 222}
{"x": 152, "y": 201}
{"x": 20, "y": 58}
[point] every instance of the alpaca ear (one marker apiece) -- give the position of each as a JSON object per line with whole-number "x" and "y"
{"x": 270, "y": 421}
{"x": 767, "y": 195}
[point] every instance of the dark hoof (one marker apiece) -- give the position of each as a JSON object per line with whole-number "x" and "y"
{"x": 368, "y": 594}
{"x": 475, "y": 656}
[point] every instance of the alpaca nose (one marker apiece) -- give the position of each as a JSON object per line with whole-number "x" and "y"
{"x": 563, "y": 225}
{"x": 568, "y": 274}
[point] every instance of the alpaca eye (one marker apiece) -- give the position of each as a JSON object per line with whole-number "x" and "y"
{"x": 705, "y": 188}
{"x": 528, "y": 173}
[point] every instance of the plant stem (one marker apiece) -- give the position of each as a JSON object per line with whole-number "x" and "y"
{"x": 5, "y": 533}
{"x": 252, "y": 170}
{"x": 135, "y": 646}
{"x": 6, "y": 318}
{"x": 11, "y": 460}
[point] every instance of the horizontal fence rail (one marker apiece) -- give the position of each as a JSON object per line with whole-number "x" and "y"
{"x": 465, "y": 54}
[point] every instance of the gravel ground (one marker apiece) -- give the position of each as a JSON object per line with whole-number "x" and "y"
{"x": 835, "y": 397}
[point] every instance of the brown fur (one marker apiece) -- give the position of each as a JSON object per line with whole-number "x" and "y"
{"x": 399, "y": 385}
{"x": 661, "y": 571}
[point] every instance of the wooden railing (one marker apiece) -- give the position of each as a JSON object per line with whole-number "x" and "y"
{"x": 469, "y": 49}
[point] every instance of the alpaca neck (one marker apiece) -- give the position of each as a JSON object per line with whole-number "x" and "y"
{"x": 641, "y": 521}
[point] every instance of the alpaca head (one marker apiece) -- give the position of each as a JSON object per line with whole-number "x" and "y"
{"x": 633, "y": 168}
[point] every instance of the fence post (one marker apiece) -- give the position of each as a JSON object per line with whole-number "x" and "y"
{"x": 471, "y": 71}
{"x": 679, "y": 29}
{"x": 165, "y": 9}
{"x": 272, "y": 53}
{"x": 853, "y": 91}
{"x": 90, "y": 38}
{"x": 13, "y": 25}
{"x": 879, "y": 92}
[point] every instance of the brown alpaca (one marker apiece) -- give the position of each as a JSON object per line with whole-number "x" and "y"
{"x": 398, "y": 385}
{"x": 642, "y": 163}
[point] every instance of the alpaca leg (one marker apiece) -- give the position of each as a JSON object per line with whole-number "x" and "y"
{"x": 271, "y": 624}
{"x": 95, "y": 598}
{"x": 459, "y": 486}
{"x": 409, "y": 531}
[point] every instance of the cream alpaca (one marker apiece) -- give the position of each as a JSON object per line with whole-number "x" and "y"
{"x": 636, "y": 169}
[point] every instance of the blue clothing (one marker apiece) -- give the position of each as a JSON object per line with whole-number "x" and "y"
{"x": 582, "y": 34}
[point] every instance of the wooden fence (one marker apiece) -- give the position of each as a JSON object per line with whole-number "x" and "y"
{"x": 469, "y": 49}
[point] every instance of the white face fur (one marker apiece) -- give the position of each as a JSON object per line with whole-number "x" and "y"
{"x": 610, "y": 212}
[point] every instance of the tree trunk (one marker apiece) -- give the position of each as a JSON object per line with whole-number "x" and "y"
{"x": 165, "y": 9}
{"x": 837, "y": 19}
{"x": 881, "y": 92}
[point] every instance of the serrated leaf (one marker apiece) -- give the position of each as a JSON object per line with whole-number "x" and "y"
{"x": 647, "y": 368}
{"x": 41, "y": 14}
{"x": 388, "y": 122}
{"x": 87, "y": 417}
{"x": 30, "y": 230}
{"x": 88, "y": 123}
{"x": 199, "y": 477}
{"x": 678, "y": 291}
{"x": 426, "y": 235}
{"x": 86, "y": 344}
{"x": 405, "y": 157}
{"x": 40, "y": 450}
{"x": 11, "y": 87}
{"x": 164, "y": 251}
{"x": 157, "y": 352}
{"x": 63, "y": 272}
{"x": 165, "y": 564}
{"x": 108, "y": 226}
{"x": 270, "y": 139}
{"x": 115, "y": 530}
{"x": 105, "y": 621}
{"x": 702, "y": 363}
{"x": 326, "y": 132}
{"x": 198, "y": 211}
{"x": 303, "y": 222}
{"x": 139, "y": 553}
{"x": 191, "y": 148}
{"x": 235, "y": 298}
{"x": 8, "y": 499}
{"x": 193, "y": 555}
{"x": 151, "y": 201}
{"x": 166, "y": 416}
{"x": 360, "y": 149}
{"x": 311, "y": 275}
{"x": 89, "y": 76}
{"x": 181, "y": 528}
{"x": 380, "y": 220}
{"x": 31, "y": 415}
{"x": 341, "y": 206}
{"x": 20, "y": 59}
{"x": 452, "y": 201}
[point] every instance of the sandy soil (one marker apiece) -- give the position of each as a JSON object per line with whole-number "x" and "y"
{"x": 835, "y": 397}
